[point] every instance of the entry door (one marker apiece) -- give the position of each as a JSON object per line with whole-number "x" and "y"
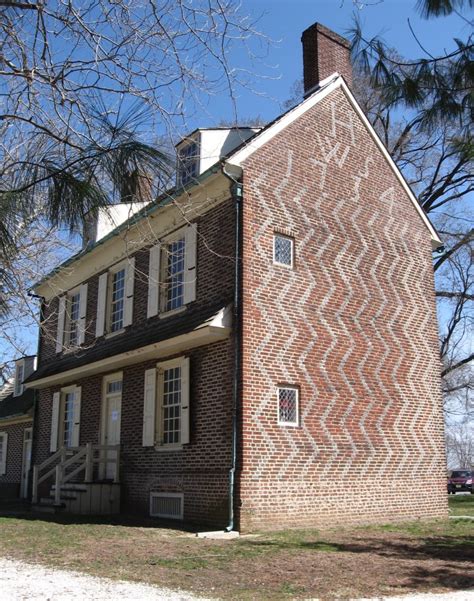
{"x": 26, "y": 461}
{"x": 112, "y": 418}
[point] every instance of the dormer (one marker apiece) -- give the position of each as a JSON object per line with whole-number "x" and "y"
{"x": 203, "y": 148}
{"x": 24, "y": 367}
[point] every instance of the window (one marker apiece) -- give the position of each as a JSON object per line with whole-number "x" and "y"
{"x": 166, "y": 404}
{"x": 3, "y": 453}
{"x": 68, "y": 418}
{"x": 188, "y": 163}
{"x": 173, "y": 274}
{"x": 171, "y": 405}
{"x": 72, "y": 319}
{"x": 73, "y": 316}
{"x": 288, "y": 405}
{"x": 115, "y": 299}
{"x": 283, "y": 250}
{"x": 19, "y": 377}
{"x": 65, "y": 418}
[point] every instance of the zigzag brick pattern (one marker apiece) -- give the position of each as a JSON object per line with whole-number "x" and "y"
{"x": 353, "y": 325}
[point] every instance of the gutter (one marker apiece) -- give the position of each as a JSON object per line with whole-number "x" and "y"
{"x": 236, "y": 190}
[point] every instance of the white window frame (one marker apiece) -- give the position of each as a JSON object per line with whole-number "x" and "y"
{"x": 67, "y": 319}
{"x": 57, "y": 417}
{"x": 19, "y": 387}
{"x": 106, "y": 396}
{"x": 62, "y": 410}
{"x": 292, "y": 253}
{"x": 108, "y": 317}
{"x": 296, "y": 423}
{"x": 183, "y": 363}
{"x": 179, "y": 235}
{"x": 3, "y": 460}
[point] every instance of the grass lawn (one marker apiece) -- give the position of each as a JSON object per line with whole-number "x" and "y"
{"x": 334, "y": 564}
{"x": 461, "y": 505}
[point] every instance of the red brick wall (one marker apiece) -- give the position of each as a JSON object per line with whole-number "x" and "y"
{"x": 10, "y": 482}
{"x": 215, "y": 272}
{"x": 199, "y": 470}
{"x": 353, "y": 325}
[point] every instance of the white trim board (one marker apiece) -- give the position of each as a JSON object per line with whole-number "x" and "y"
{"x": 327, "y": 86}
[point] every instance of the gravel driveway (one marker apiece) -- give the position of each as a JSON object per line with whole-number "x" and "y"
{"x": 20, "y": 581}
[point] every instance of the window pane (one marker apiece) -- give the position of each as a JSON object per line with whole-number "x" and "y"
{"x": 172, "y": 406}
{"x": 117, "y": 300}
{"x": 175, "y": 275}
{"x": 283, "y": 250}
{"x": 114, "y": 387}
{"x": 287, "y": 405}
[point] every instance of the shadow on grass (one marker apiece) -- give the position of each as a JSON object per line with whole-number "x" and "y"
{"x": 455, "y": 552}
{"x": 22, "y": 511}
{"x": 445, "y": 548}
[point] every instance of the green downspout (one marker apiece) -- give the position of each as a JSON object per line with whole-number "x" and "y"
{"x": 236, "y": 191}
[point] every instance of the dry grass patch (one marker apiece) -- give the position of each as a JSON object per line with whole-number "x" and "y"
{"x": 296, "y": 564}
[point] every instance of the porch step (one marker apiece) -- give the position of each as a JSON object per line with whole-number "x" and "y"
{"x": 46, "y": 505}
{"x": 67, "y": 488}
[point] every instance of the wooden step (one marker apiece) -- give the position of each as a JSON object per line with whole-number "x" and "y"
{"x": 44, "y": 506}
{"x": 71, "y": 487}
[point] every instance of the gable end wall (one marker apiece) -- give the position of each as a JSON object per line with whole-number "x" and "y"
{"x": 353, "y": 325}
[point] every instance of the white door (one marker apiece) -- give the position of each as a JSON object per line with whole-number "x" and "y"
{"x": 112, "y": 419}
{"x": 26, "y": 461}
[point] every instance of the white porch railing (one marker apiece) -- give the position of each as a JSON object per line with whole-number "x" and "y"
{"x": 69, "y": 462}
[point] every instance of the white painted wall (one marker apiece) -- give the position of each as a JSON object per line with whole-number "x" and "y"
{"x": 217, "y": 143}
{"x": 111, "y": 217}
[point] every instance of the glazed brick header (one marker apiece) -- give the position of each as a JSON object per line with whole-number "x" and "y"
{"x": 353, "y": 325}
{"x": 215, "y": 273}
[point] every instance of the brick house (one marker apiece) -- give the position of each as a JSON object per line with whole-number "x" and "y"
{"x": 256, "y": 341}
{"x": 16, "y": 432}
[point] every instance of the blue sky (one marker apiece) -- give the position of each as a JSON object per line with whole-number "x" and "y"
{"x": 284, "y": 20}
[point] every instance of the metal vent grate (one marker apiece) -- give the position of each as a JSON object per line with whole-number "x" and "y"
{"x": 166, "y": 505}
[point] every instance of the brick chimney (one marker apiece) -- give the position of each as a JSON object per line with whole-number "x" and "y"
{"x": 324, "y": 53}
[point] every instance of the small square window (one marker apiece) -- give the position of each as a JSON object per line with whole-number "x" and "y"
{"x": 283, "y": 250}
{"x": 288, "y": 405}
